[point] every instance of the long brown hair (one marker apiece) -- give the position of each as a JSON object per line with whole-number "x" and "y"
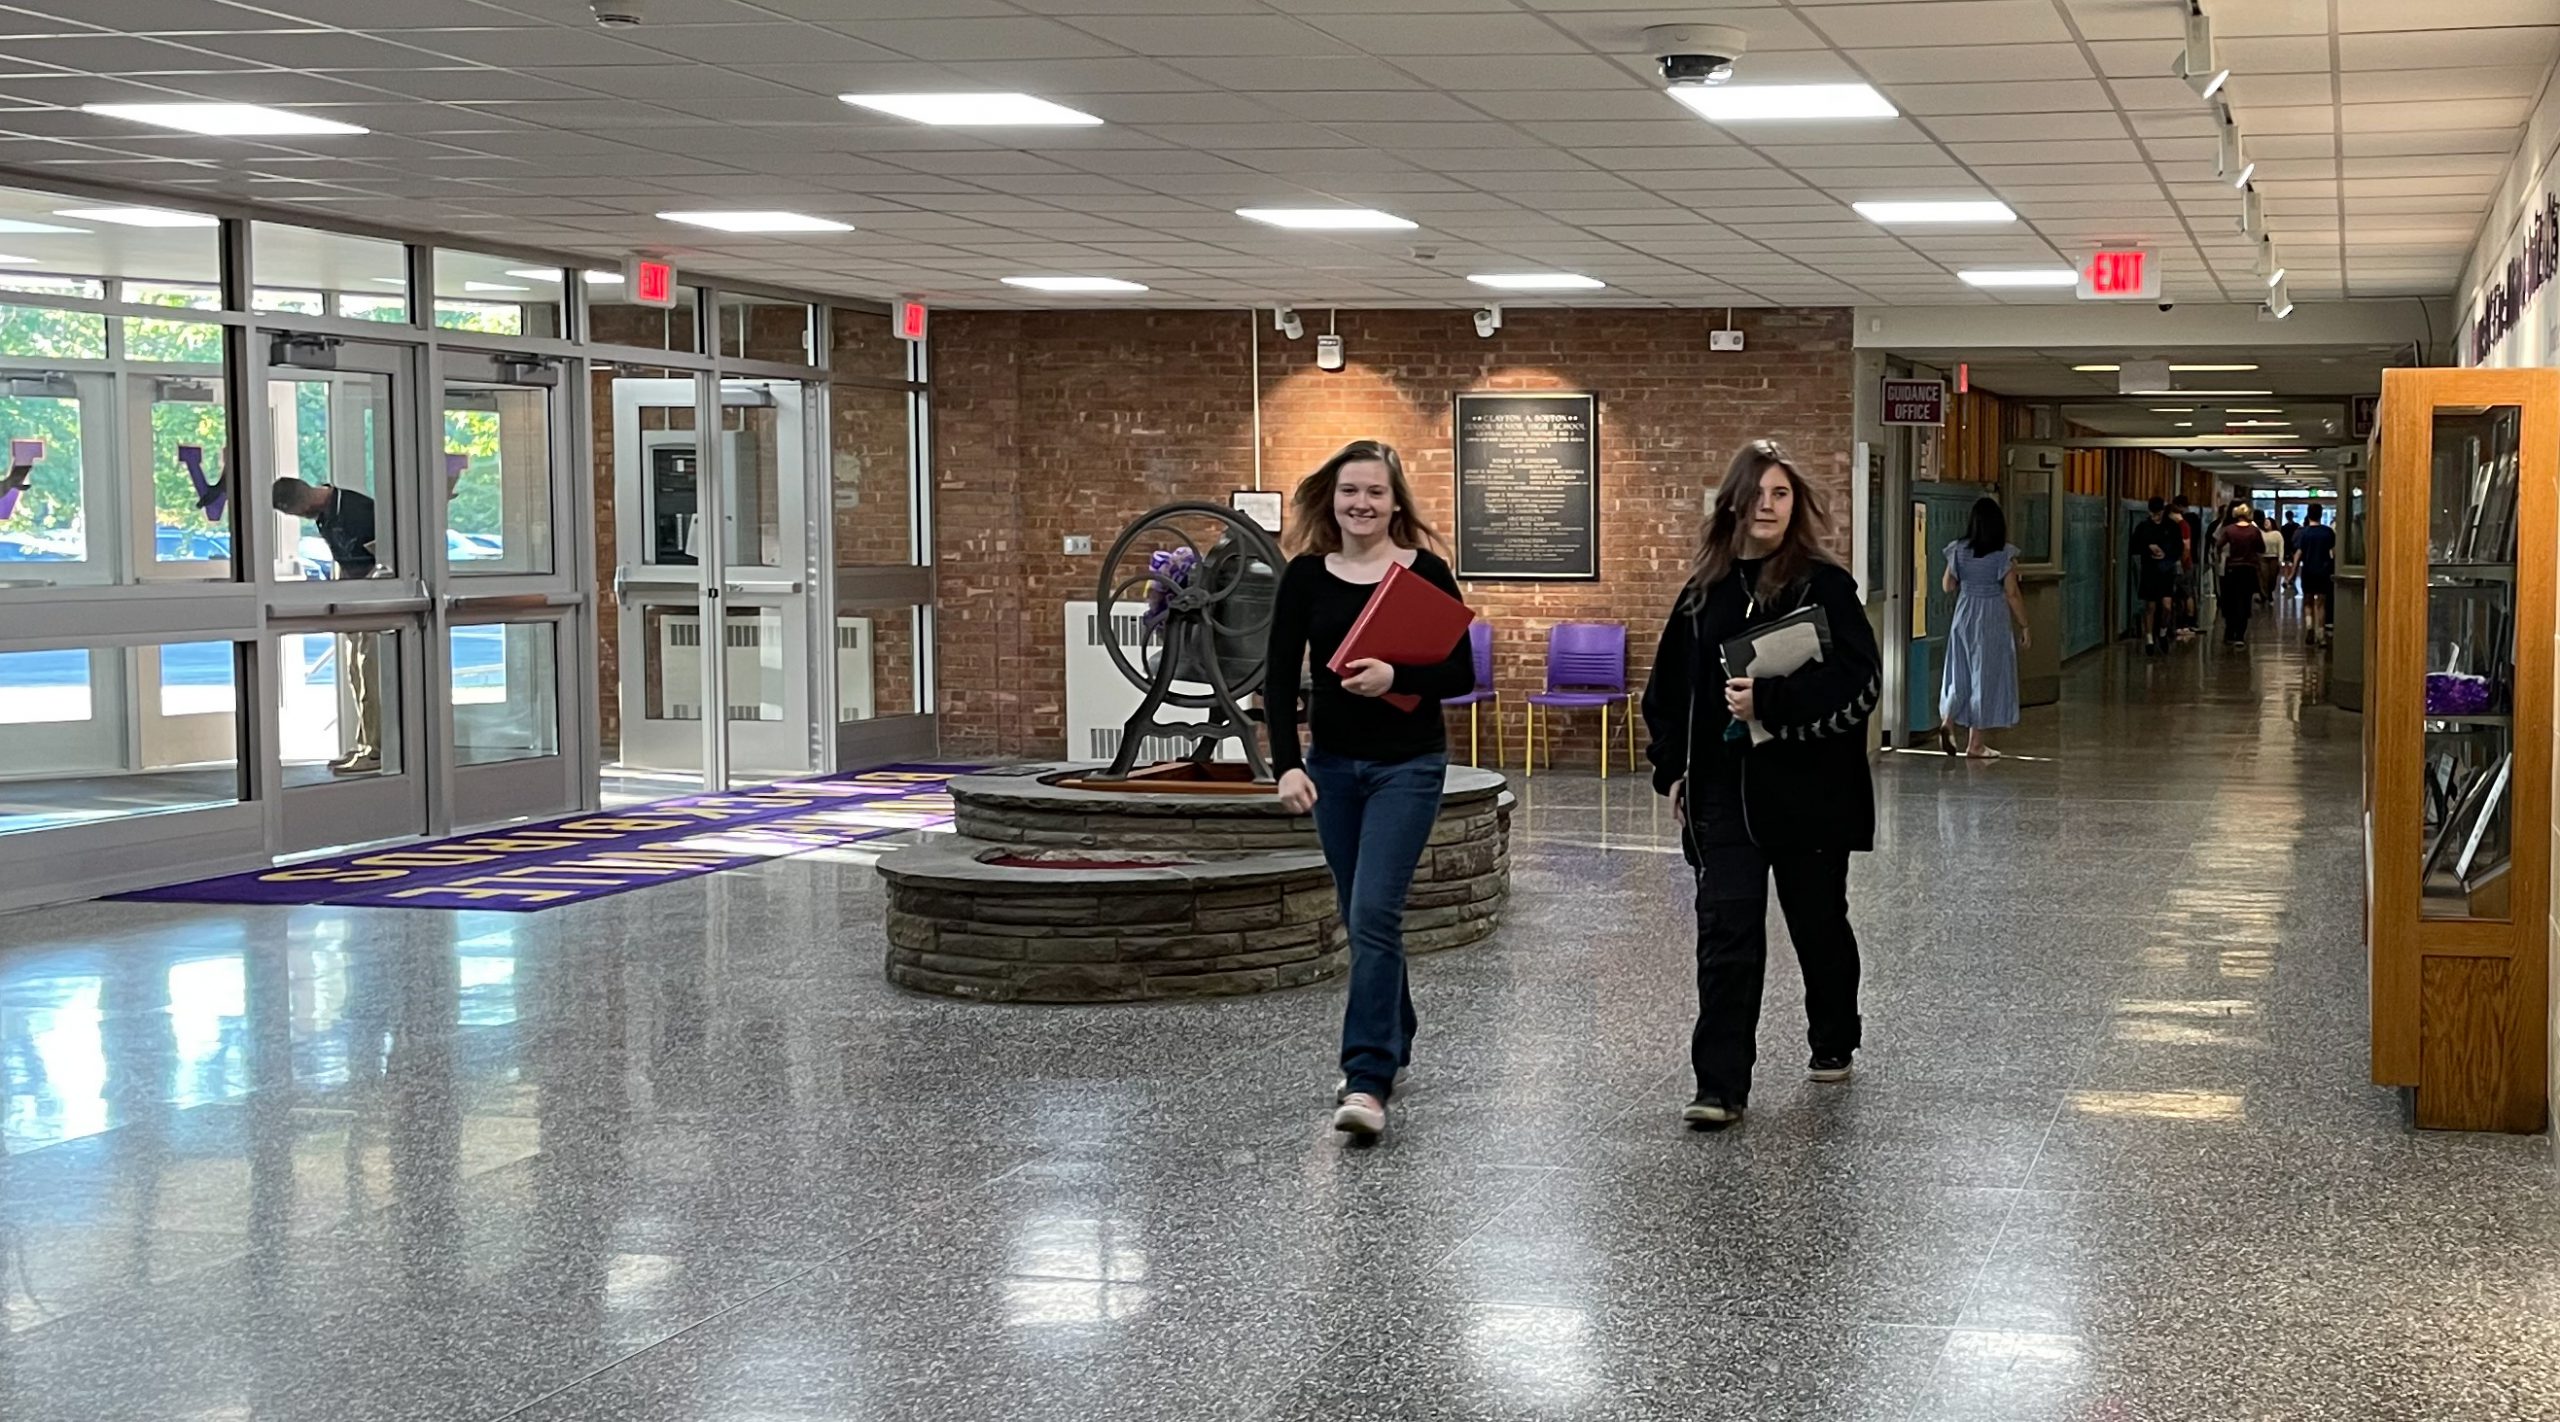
{"x": 1720, "y": 534}
{"x": 1312, "y": 527}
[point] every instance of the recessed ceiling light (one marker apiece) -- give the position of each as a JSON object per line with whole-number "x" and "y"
{"x": 1750, "y": 103}
{"x": 1073, "y": 283}
{"x": 535, "y": 273}
{"x": 1328, "y": 219}
{"x": 20, "y": 224}
{"x": 2255, "y": 410}
{"x": 389, "y": 281}
{"x": 2173, "y": 409}
{"x": 2206, "y": 393}
{"x": 2257, "y": 424}
{"x": 2193, "y": 369}
{"x": 9, "y": 261}
{"x": 1895, "y": 213}
{"x": 975, "y": 110}
{"x": 757, "y": 221}
{"x": 1537, "y": 281}
{"x": 601, "y": 278}
{"x": 223, "y": 120}
{"x": 2186, "y": 424}
{"x": 492, "y": 286}
{"x": 2020, "y": 276}
{"x": 2094, "y": 369}
{"x": 139, "y": 216}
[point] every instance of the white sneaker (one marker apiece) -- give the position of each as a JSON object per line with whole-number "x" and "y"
{"x": 1361, "y": 1116}
{"x": 1342, "y": 1084}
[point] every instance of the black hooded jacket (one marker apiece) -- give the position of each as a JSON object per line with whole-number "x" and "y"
{"x": 1808, "y": 788}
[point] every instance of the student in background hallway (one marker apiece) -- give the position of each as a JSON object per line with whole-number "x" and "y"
{"x": 2189, "y": 562}
{"x": 1792, "y": 807}
{"x": 2315, "y": 562}
{"x": 2291, "y": 531}
{"x": 344, "y": 519}
{"x": 2270, "y": 559}
{"x": 1374, "y": 775}
{"x": 2155, "y": 551}
{"x": 1980, "y": 692}
{"x": 2243, "y": 546}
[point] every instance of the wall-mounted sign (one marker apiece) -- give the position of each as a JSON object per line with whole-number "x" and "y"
{"x": 911, "y": 320}
{"x": 1528, "y": 486}
{"x": 2503, "y": 302}
{"x": 646, "y": 281}
{"x": 1260, "y": 505}
{"x": 1915, "y": 402}
{"x": 2362, "y": 411}
{"x": 2120, "y": 274}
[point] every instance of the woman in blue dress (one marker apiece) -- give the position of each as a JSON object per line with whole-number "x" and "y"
{"x": 1981, "y": 689}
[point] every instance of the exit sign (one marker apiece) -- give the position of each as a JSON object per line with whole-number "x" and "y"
{"x": 911, "y": 320}
{"x": 647, "y": 281}
{"x": 2120, "y": 274}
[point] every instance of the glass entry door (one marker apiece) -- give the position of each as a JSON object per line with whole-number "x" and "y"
{"x": 347, "y": 599}
{"x": 712, "y": 585}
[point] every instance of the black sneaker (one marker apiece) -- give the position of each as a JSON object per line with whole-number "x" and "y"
{"x": 1711, "y": 1112}
{"x": 1827, "y": 1069}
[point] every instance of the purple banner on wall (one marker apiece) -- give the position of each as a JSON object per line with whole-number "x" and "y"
{"x": 534, "y": 867}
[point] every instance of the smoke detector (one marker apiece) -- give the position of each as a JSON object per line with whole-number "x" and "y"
{"x": 618, "y": 14}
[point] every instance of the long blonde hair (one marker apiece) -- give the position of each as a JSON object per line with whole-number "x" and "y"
{"x": 1720, "y": 533}
{"x": 1312, "y": 526}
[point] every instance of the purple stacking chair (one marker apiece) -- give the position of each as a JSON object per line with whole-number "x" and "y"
{"x": 1586, "y": 666}
{"x": 1480, "y": 633}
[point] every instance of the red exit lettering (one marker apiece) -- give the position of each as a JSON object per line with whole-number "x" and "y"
{"x": 2118, "y": 273}
{"x": 657, "y": 284}
{"x": 911, "y": 320}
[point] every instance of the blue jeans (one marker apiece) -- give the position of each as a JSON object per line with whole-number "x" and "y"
{"x": 1374, "y": 819}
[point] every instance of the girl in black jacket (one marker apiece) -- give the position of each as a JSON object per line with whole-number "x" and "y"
{"x": 1792, "y": 807}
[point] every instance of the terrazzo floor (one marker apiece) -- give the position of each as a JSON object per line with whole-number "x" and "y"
{"x": 681, "y": 1155}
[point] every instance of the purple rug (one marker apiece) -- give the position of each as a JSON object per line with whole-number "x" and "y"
{"x": 527, "y": 868}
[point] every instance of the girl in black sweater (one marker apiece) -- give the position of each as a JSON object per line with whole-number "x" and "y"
{"x": 1374, "y": 775}
{"x": 1793, "y": 807}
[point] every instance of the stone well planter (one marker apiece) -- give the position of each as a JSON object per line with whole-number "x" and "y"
{"x": 1003, "y": 923}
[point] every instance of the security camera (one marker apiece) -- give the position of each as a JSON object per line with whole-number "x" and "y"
{"x": 1694, "y": 56}
{"x": 618, "y": 14}
{"x": 2168, "y": 306}
{"x": 1488, "y": 321}
{"x": 1425, "y": 252}
{"x": 1284, "y": 319}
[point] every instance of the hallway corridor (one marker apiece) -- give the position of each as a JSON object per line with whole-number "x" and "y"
{"x": 681, "y": 1155}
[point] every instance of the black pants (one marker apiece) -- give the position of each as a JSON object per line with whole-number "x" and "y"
{"x": 2239, "y": 596}
{"x": 1733, "y": 957}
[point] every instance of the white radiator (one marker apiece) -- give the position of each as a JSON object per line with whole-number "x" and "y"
{"x": 1100, "y": 699}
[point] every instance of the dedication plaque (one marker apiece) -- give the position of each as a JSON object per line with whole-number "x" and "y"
{"x": 1528, "y": 486}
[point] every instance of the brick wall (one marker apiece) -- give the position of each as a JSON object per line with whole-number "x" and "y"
{"x": 1051, "y": 424}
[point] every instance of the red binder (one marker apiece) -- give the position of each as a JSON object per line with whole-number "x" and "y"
{"x": 1408, "y": 623}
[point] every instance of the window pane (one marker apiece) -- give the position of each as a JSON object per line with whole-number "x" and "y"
{"x": 42, "y": 495}
{"x": 191, "y": 486}
{"x": 43, "y": 333}
{"x": 98, "y": 733}
{"x": 73, "y": 244}
{"x": 613, "y": 322}
{"x": 497, "y": 443}
{"x": 863, "y": 343}
{"x": 338, "y": 705}
{"x": 506, "y": 680}
{"x": 872, "y": 486}
{"x": 500, "y": 296}
{"x": 2469, "y": 687}
{"x": 876, "y": 660}
{"x": 764, "y": 328}
{"x": 308, "y": 272}
{"x": 330, "y": 433}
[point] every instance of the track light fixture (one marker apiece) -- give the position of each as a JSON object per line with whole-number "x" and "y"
{"x": 2197, "y": 63}
{"x": 1488, "y": 320}
{"x": 2253, "y": 214}
{"x": 2279, "y": 303}
{"x": 1284, "y": 319}
{"x": 2270, "y": 266}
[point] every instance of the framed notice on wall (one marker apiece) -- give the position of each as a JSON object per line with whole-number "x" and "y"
{"x": 1528, "y": 486}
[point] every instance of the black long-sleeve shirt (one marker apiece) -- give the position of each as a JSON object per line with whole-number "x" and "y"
{"x": 1314, "y": 613}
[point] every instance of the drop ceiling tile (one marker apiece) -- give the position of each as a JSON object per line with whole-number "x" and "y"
{"x": 2468, "y": 140}
{"x": 1984, "y": 22}
{"x": 2016, "y": 128}
{"x": 962, "y": 40}
{"x": 552, "y": 47}
{"x": 471, "y": 84}
{"x": 1366, "y": 106}
{"x": 2435, "y": 85}
{"x": 2446, "y": 114}
{"x": 1175, "y": 36}
{"x": 1573, "y": 72}
{"x": 2257, "y": 55}
{"x": 2356, "y": 16}
{"x": 2303, "y": 118}
{"x": 2429, "y": 48}
{"x": 1258, "y": 75}
{"x": 2293, "y": 145}
{"x": 2043, "y": 96}
{"x": 1659, "y": 133}
{"x": 1389, "y": 35}
{"x": 1958, "y": 64}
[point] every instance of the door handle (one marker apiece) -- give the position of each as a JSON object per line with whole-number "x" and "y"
{"x": 774, "y": 588}
{"x": 508, "y": 602}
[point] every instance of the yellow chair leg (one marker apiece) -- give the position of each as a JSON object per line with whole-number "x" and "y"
{"x": 1472, "y": 757}
{"x": 1631, "y": 735}
{"x": 1604, "y": 740}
